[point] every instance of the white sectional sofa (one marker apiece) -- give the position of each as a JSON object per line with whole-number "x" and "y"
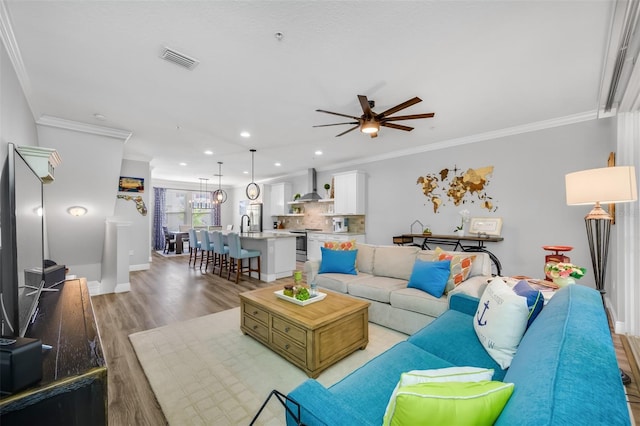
{"x": 382, "y": 276}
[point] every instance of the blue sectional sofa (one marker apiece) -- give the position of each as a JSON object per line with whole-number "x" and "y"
{"x": 565, "y": 370}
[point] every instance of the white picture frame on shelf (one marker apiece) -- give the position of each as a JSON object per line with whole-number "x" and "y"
{"x": 486, "y": 226}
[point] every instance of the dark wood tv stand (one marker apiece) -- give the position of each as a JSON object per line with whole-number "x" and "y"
{"x": 73, "y": 390}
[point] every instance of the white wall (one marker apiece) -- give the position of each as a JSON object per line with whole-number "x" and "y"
{"x": 527, "y": 186}
{"x": 88, "y": 176}
{"x": 16, "y": 120}
{"x": 125, "y": 210}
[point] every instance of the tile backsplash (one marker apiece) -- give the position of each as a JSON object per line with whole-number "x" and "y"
{"x": 315, "y": 216}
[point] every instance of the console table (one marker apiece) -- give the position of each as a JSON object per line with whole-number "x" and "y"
{"x": 73, "y": 389}
{"x": 456, "y": 242}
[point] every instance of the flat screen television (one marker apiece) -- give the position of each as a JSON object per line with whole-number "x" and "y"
{"x": 22, "y": 243}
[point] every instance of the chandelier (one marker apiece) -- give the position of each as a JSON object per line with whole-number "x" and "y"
{"x": 219, "y": 195}
{"x": 253, "y": 190}
{"x": 202, "y": 200}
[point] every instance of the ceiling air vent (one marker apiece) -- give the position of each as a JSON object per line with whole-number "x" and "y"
{"x": 179, "y": 59}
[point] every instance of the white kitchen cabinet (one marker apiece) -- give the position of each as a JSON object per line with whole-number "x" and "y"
{"x": 280, "y": 196}
{"x": 349, "y": 193}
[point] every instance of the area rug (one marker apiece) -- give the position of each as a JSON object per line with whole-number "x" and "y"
{"x": 205, "y": 371}
{"x": 172, "y": 253}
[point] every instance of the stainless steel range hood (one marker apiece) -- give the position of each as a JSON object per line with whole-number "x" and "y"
{"x": 312, "y": 195}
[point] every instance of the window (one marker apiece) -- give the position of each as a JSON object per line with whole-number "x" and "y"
{"x": 181, "y": 209}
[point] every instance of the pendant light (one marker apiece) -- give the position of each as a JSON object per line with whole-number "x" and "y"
{"x": 253, "y": 190}
{"x": 219, "y": 195}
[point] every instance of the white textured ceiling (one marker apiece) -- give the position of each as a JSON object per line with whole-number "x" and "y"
{"x": 481, "y": 66}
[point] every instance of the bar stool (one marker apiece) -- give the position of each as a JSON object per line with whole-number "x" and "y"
{"x": 237, "y": 254}
{"x": 220, "y": 251}
{"x": 194, "y": 245}
{"x": 205, "y": 245}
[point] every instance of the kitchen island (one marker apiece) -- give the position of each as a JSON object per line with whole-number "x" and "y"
{"x": 277, "y": 252}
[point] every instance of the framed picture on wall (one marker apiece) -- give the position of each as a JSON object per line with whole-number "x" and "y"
{"x": 486, "y": 226}
{"x": 131, "y": 184}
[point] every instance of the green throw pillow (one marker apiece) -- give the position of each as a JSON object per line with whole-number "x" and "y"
{"x": 448, "y": 403}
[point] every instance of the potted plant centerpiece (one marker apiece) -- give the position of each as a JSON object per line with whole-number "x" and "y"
{"x": 563, "y": 274}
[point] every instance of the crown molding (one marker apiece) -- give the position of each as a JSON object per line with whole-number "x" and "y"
{"x": 11, "y": 46}
{"x": 61, "y": 123}
{"x": 481, "y": 137}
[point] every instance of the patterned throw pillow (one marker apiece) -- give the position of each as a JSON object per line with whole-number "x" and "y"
{"x": 460, "y": 266}
{"x": 340, "y": 245}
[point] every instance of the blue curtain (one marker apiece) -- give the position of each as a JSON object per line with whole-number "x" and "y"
{"x": 160, "y": 200}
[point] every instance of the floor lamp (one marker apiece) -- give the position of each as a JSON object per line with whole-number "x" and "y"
{"x": 595, "y": 186}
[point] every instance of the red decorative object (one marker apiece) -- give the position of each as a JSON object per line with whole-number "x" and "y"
{"x": 556, "y": 257}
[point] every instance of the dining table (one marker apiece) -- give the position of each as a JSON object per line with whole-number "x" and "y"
{"x": 180, "y": 239}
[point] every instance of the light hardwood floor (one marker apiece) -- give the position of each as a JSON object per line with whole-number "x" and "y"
{"x": 170, "y": 292}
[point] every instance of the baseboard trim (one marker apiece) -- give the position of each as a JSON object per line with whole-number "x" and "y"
{"x": 140, "y": 267}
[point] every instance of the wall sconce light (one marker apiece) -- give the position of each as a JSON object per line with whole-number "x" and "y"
{"x": 77, "y": 211}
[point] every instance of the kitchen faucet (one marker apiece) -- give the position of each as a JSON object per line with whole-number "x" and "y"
{"x": 242, "y": 223}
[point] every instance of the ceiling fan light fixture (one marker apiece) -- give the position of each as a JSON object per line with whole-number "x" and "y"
{"x": 370, "y": 126}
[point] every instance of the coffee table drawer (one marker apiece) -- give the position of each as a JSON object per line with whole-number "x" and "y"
{"x": 256, "y": 312}
{"x": 285, "y": 327}
{"x": 289, "y": 346}
{"x": 256, "y": 327}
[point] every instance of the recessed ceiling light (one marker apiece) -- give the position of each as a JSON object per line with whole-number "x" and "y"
{"x": 246, "y": 172}
{"x": 183, "y": 164}
{"x": 277, "y": 164}
{"x": 245, "y": 134}
{"x": 208, "y": 152}
{"x": 99, "y": 116}
{"x": 318, "y": 152}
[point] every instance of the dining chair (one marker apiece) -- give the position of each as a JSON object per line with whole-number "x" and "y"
{"x": 169, "y": 240}
{"x": 236, "y": 256}
{"x": 220, "y": 251}
{"x": 194, "y": 245}
{"x": 205, "y": 245}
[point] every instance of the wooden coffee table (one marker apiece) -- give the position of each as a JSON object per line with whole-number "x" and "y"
{"x": 312, "y": 337}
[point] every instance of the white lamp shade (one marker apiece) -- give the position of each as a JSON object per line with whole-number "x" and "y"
{"x": 604, "y": 185}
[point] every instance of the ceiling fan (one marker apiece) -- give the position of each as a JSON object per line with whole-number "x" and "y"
{"x": 369, "y": 122}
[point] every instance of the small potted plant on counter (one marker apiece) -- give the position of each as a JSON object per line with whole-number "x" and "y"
{"x": 327, "y": 187}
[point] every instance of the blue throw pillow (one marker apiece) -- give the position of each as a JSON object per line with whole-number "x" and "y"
{"x": 535, "y": 299}
{"x": 430, "y": 276}
{"x": 338, "y": 261}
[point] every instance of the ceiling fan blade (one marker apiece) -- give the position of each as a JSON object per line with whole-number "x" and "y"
{"x": 398, "y": 107}
{"x": 409, "y": 117}
{"x": 335, "y": 124}
{"x": 344, "y": 133}
{"x": 337, "y": 113}
{"x": 364, "y": 103}
{"x": 396, "y": 126}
